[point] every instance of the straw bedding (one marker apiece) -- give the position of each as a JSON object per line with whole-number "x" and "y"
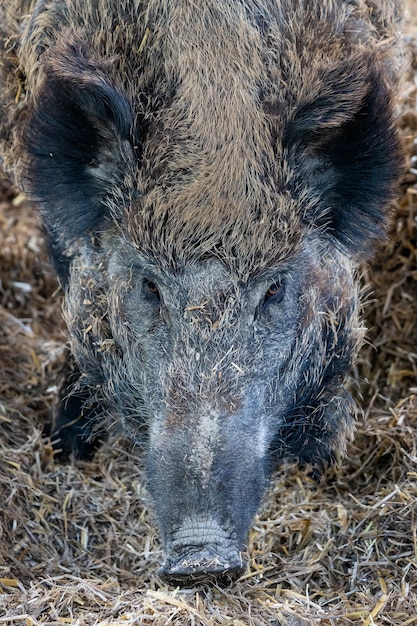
{"x": 78, "y": 544}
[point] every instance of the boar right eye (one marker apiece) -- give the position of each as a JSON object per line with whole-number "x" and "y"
{"x": 274, "y": 293}
{"x": 151, "y": 288}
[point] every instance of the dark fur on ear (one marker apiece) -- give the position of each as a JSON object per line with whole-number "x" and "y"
{"x": 343, "y": 143}
{"x": 78, "y": 144}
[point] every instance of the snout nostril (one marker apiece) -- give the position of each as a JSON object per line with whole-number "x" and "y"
{"x": 221, "y": 577}
{"x": 201, "y": 568}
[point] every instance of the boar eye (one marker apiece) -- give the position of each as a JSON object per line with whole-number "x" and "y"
{"x": 274, "y": 293}
{"x": 151, "y": 288}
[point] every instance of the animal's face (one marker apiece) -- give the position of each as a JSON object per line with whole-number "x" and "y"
{"x": 219, "y": 379}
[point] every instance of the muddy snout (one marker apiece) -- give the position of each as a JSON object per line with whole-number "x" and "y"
{"x": 202, "y": 550}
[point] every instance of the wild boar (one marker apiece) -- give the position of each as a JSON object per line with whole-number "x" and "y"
{"x": 209, "y": 174}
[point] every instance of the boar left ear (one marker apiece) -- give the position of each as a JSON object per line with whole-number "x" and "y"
{"x": 343, "y": 146}
{"x": 78, "y": 146}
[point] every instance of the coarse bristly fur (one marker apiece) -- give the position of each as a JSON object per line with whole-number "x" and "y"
{"x": 208, "y": 175}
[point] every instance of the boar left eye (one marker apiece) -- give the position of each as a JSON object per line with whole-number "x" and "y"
{"x": 275, "y": 293}
{"x": 151, "y": 288}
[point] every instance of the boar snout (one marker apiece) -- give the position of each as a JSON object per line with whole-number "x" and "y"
{"x": 201, "y": 548}
{"x": 206, "y": 491}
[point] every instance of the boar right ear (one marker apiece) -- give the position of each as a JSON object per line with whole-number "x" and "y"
{"x": 344, "y": 148}
{"x": 78, "y": 146}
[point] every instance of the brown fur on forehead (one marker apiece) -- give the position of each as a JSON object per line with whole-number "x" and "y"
{"x": 242, "y": 239}
{"x": 210, "y": 174}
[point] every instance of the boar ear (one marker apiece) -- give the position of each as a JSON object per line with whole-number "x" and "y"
{"x": 77, "y": 142}
{"x": 343, "y": 146}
